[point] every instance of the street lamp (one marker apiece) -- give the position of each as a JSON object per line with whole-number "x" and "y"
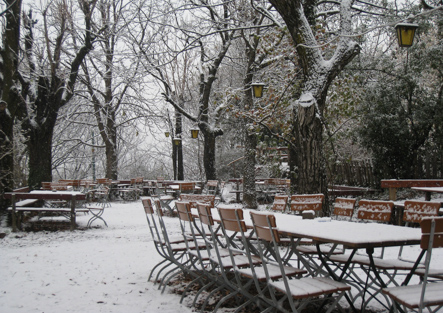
{"x": 405, "y": 33}
{"x": 167, "y": 134}
{"x": 177, "y": 141}
{"x": 194, "y": 133}
{"x": 257, "y": 89}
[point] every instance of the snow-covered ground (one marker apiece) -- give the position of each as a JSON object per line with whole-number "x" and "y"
{"x": 101, "y": 269}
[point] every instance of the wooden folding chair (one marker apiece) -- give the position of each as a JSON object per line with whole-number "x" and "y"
{"x": 425, "y": 295}
{"x": 344, "y": 208}
{"x": 311, "y": 202}
{"x": 157, "y": 238}
{"x": 298, "y": 292}
{"x": 414, "y": 210}
{"x": 173, "y": 250}
{"x": 241, "y": 262}
{"x": 280, "y": 203}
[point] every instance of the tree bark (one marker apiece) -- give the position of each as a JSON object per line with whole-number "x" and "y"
{"x": 9, "y": 97}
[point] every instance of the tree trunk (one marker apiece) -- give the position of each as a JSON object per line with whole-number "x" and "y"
{"x": 9, "y": 100}
{"x": 178, "y": 131}
{"x": 111, "y": 160}
{"x": 249, "y": 190}
{"x": 311, "y": 176}
{"x": 209, "y": 156}
{"x": 40, "y": 156}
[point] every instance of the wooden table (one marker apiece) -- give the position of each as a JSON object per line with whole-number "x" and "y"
{"x": 71, "y": 196}
{"x": 428, "y": 191}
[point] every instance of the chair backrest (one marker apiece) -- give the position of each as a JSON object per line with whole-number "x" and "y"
{"x": 46, "y": 185}
{"x": 193, "y": 199}
{"x": 307, "y": 202}
{"x": 229, "y": 218}
{"x": 344, "y": 206}
{"x": 187, "y": 187}
{"x": 280, "y": 203}
{"x": 59, "y": 186}
{"x": 147, "y": 205}
{"x": 415, "y": 211}
{"x": 265, "y": 226}
{"x": 205, "y": 214}
{"x": 426, "y": 225}
{"x": 212, "y": 186}
{"x": 375, "y": 210}
{"x": 184, "y": 211}
{"x": 103, "y": 181}
{"x": 149, "y": 212}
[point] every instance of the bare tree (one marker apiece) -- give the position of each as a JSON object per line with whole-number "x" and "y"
{"x": 109, "y": 75}
{"x": 206, "y": 29}
{"x": 47, "y": 87}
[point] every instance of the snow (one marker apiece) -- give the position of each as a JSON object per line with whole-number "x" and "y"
{"x": 102, "y": 269}
{"x": 105, "y": 269}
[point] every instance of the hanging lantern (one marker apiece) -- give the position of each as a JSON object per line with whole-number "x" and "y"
{"x": 167, "y": 134}
{"x": 177, "y": 141}
{"x": 257, "y": 89}
{"x": 194, "y": 133}
{"x": 405, "y": 34}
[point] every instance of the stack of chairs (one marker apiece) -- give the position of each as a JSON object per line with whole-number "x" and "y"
{"x": 222, "y": 257}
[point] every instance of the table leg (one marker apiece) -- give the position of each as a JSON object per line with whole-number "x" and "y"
{"x": 334, "y": 276}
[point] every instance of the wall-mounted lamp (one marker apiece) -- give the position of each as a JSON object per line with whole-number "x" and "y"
{"x": 167, "y": 134}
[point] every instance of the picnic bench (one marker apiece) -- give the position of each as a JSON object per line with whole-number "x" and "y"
{"x": 21, "y": 200}
{"x": 394, "y": 184}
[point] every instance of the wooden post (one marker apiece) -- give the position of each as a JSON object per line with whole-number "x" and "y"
{"x": 392, "y": 194}
{"x": 14, "y": 217}
{"x": 73, "y": 224}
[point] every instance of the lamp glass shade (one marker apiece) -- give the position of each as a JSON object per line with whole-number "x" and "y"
{"x": 194, "y": 133}
{"x": 257, "y": 89}
{"x": 405, "y": 34}
{"x": 177, "y": 141}
{"x": 167, "y": 134}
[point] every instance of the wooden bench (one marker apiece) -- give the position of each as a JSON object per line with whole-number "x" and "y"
{"x": 394, "y": 184}
{"x": 17, "y": 211}
{"x": 193, "y": 199}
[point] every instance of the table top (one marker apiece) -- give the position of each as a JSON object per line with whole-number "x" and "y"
{"x": 429, "y": 189}
{"x": 58, "y": 192}
{"x": 349, "y": 234}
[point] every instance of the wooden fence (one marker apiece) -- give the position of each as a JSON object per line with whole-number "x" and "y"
{"x": 361, "y": 173}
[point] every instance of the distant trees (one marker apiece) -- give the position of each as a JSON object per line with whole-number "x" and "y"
{"x": 102, "y": 57}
